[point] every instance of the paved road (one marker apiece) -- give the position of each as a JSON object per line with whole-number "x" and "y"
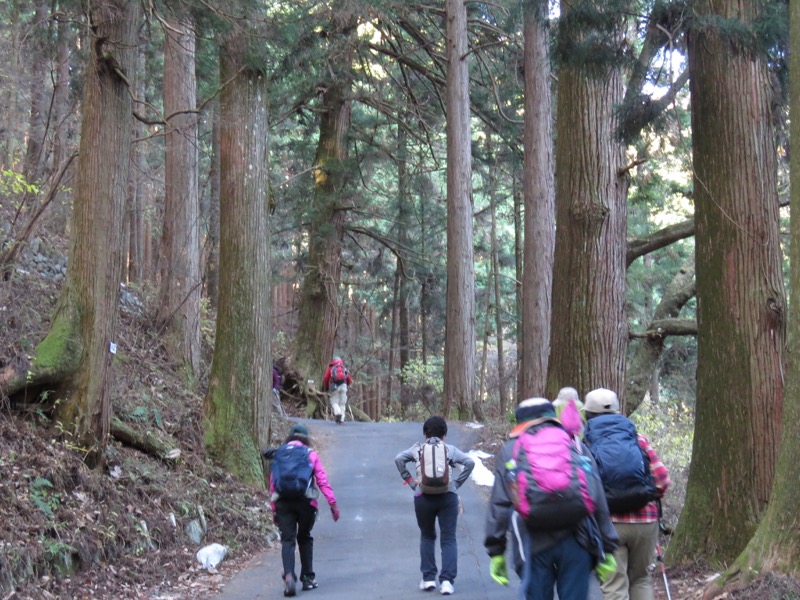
{"x": 372, "y": 553}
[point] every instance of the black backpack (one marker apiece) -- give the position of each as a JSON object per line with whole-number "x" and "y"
{"x": 624, "y": 467}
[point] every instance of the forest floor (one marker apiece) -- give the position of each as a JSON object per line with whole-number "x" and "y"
{"x": 119, "y": 532}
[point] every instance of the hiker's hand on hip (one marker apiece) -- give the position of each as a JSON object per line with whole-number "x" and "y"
{"x": 335, "y": 512}
{"x": 498, "y": 569}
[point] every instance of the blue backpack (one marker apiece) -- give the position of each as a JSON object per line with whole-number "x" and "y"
{"x": 624, "y": 467}
{"x": 292, "y": 472}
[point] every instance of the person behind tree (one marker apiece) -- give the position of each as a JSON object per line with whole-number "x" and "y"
{"x": 432, "y": 505}
{"x": 563, "y": 558}
{"x": 295, "y": 514}
{"x": 638, "y": 530}
{"x": 336, "y": 381}
{"x": 276, "y": 379}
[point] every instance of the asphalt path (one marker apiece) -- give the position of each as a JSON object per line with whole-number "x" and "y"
{"x": 372, "y": 552}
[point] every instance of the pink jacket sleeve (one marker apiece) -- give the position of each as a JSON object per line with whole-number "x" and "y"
{"x": 322, "y": 478}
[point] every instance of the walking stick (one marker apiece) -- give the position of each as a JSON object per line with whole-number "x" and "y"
{"x": 660, "y": 559}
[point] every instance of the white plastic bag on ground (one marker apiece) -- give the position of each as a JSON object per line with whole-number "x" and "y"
{"x": 210, "y": 556}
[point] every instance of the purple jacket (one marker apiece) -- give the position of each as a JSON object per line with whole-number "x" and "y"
{"x": 276, "y": 379}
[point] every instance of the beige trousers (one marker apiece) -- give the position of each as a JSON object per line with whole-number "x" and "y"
{"x": 635, "y": 557}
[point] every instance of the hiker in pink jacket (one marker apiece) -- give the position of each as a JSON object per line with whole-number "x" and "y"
{"x": 295, "y": 516}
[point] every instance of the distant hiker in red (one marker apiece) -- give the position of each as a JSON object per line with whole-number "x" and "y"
{"x": 335, "y": 382}
{"x": 296, "y": 479}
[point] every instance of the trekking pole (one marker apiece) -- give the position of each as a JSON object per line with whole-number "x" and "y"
{"x": 660, "y": 559}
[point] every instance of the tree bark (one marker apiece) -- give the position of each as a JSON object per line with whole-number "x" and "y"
{"x": 459, "y": 348}
{"x": 79, "y": 347}
{"x": 238, "y": 404}
{"x": 589, "y": 325}
{"x": 135, "y": 270}
{"x": 179, "y": 306}
{"x": 319, "y": 297}
{"x": 539, "y": 195}
{"x": 741, "y": 301}
{"x": 775, "y": 546}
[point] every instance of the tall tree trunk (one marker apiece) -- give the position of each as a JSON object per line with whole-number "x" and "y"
{"x": 741, "y": 303}
{"x": 459, "y": 347}
{"x": 319, "y": 296}
{"x": 494, "y": 284}
{"x": 179, "y": 306}
{"x": 212, "y": 216}
{"x": 589, "y": 326}
{"x": 775, "y": 546}
{"x": 405, "y": 215}
{"x": 539, "y": 195}
{"x": 61, "y": 120}
{"x": 33, "y": 167}
{"x": 238, "y": 403}
{"x": 136, "y": 197}
{"x": 519, "y": 243}
{"x": 79, "y": 348}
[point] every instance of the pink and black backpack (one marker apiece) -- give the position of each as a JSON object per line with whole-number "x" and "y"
{"x": 550, "y": 477}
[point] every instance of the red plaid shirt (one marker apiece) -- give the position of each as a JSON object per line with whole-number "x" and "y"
{"x": 648, "y": 514}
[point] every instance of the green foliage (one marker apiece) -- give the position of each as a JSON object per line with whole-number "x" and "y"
{"x": 43, "y": 496}
{"x": 589, "y": 35}
{"x": 421, "y": 376}
{"x": 670, "y": 428}
{"x": 14, "y": 185}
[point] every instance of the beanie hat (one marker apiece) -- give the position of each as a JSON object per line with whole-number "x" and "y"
{"x": 534, "y": 408}
{"x": 601, "y": 401}
{"x": 298, "y": 430}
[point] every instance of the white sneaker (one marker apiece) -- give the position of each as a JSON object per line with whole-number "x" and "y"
{"x": 447, "y": 588}
{"x": 427, "y": 586}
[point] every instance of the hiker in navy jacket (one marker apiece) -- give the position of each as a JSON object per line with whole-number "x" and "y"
{"x": 561, "y": 559}
{"x": 295, "y": 517}
{"x": 432, "y": 507}
{"x": 638, "y": 530}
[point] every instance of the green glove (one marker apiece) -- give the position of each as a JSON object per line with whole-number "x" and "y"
{"x": 498, "y": 569}
{"x": 606, "y": 568}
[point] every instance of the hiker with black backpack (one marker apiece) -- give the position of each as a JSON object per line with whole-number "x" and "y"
{"x": 436, "y": 499}
{"x": 635, "y": 480}
{"x": 296, "y": 479}
{"x": 336, "y": 381}
{"x": 546, "y": 486}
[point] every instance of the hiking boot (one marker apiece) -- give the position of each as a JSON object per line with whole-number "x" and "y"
{"x": 427, "y": 586}
{"x": 309, "y": 583}
{"x": 290, "y": 587}
{"x": 447, "y": 588}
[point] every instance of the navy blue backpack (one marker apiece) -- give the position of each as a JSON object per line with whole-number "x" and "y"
{"x": 624, "y": 467}
{"x": 292, "y": 471}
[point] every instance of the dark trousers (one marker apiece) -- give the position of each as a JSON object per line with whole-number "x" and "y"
{"x": 429, "y": 508}
{"x": 295, "y": 519}
{"x": 567, "y": 565}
